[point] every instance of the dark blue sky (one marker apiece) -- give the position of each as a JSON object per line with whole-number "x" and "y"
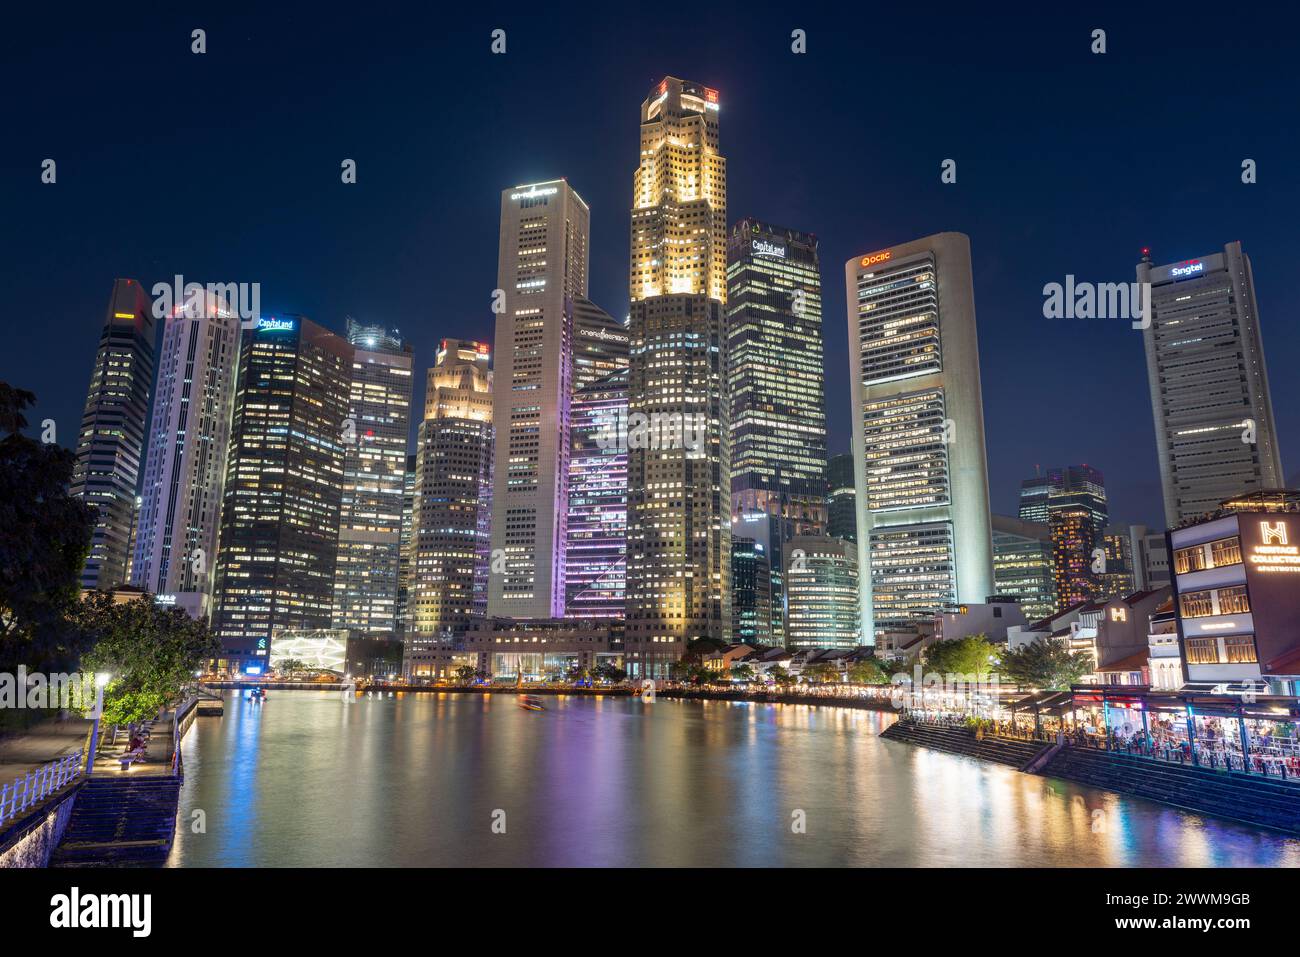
{"x": 225, "y": 168}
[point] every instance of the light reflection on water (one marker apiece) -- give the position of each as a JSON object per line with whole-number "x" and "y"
{"x": 414, "y": 780}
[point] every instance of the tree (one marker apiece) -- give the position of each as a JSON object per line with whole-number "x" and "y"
{"x": 780, "y": 675}
{"x": 1047, "y": 664}
{"x": 972, "y": 655}
{"x": 151, "y": 652}
{"x": 466, "y": 673}
{"x": 742, "y": 673}
{"x": 45, "y": 537}
{"x": 607, "y": 672}
{"x": 700, "y": 648}
{"x": 290, "y": 666}
{"x": 822, "y": 672}
{"x": 867, "y": 671}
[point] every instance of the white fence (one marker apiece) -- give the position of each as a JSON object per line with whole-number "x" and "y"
{"x": 22, "y": 793}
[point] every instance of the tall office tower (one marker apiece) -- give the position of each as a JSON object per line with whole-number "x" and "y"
{"x": 453, "y": 466}
{"x": 374, "y": 476}
{"x": 1024, "y": 565}
{"x": 679, "y": 473}
{"x": 542, "y": 271}
{"x": 841, "y": 498}
{"x": 823, "y": 592}
{"x": 600, "y": 344}
{"x": 924, "y": 536}
{"x": 284, "y": 482}
{"x": 596, "y": 554}
{"x": 1209, "y": 385}
{"x": 776, "y": 389}
{"x": 189, "y": 440}
{"x": 110, "y": 446}
{"x": 1073, "y": 501}
{"x": 404, "y": 545}
{"x": 751, "y": 592}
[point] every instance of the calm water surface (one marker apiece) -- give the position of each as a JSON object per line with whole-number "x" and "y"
{"x": 414, "y": 780}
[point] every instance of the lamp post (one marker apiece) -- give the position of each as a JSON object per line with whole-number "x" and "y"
{"x": 101, "y": 681}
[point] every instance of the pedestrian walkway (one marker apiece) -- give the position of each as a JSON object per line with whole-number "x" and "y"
{"x": 27, "y": 750}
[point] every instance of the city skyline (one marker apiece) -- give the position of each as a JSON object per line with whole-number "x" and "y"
{"x": 1012, "y": 260}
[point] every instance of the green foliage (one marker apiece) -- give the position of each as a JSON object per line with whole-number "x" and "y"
{"x": 1047, "y": 664}
{"x": 466, "y": 673}
{"x": 742, "y": 673}
{"x": 822, "y": 672}
{"x": 44, "y": 540}
{"x": 972, "y": 655}
{"x": 151, "y": 652}
{"x": 868, "y": 671}
{"x": 780, "y": 675}
{"x": 607, "y": 672}
{"x": 289, "y": 666}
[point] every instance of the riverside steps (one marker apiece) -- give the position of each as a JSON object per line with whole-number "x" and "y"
{"x": 1012, "y": 752}
{"x": 125, "y": 814}
{"x": 1246, "y": 798}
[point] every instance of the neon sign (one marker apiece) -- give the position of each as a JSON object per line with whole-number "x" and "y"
{"x": 275, "y": 325}
{"x": 534, "y": 192}
{"x": 762, "y": 247}
{"x": 879, "y": 257}
{"x": 1191, "y": 268}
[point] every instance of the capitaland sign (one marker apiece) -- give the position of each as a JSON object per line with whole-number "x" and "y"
{"x": 1193, "y": 267}
{"x": 764, "y": 247}
{"x": 1274, "y": 553}
{"x": 883, "y": 256}
{"x": 272, "y": 324}
{"x": 534, "y": 192}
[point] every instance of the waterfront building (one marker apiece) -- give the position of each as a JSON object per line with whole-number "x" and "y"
{"x": 775, "y": 370}
{"x": 679, "y": 474}
{"x": 1215, "y": 435}
{"x": 374, "y": 476}
{"x": 990, "y": 619}
{"x": 596, "y": 552}
{"x": 111, "y": 443}
{"x": 541, "y": 273}
{"x": 1166, "y": 662}
{"x": 924, "y": 533}
{"x": 543, "y": 648}
{"x": 189, "y": 441}
{"x": 452, "y": 504}
{"x": 841, "y": 498}
{"x": 1023, "y": 565}
{"x": 751, "y": 591}
{"x": 284, "y": 482}
{"x": 1235, "y": 593}
{"x": 822, "y": 590}
{"x": 1124, "y": 637}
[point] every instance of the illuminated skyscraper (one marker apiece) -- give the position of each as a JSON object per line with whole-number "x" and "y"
{"x": 822, "y": 592}
{"x": 751, "y": 592}
{"x": 679, "y": 473}
{"x": 452, "y": 508}
{"x": 1023, "y": 565}
{"x": 1213, "y": 412}
{"x": 189, "y": 441}
{"x": 1071, "y": 502}
{"x": 374, "y": 473}
{"x": 776, "y": 392}
{"x": 924, "y": 536}
{"x": 542, "y": 271}
{"x": 110, "y": 445}
{"x": 284, "y": 482}
{"x": 596, "y": 530}
{"x": 404, "y": 563}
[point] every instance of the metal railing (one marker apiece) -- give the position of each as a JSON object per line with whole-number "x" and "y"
{"x": 36, "y": 786}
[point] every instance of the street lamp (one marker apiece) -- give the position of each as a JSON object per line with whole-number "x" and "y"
{"x": 101, "y": 681}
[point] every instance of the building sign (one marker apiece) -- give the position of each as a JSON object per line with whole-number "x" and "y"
{"x": 1272, "y": 553}
{"x": 763, "y": 247}
{"x": 275, "y": 325}
{"x": 1193, "y": 267}
{"x": 879, "y": 257}
{"x": 534, "y": 192}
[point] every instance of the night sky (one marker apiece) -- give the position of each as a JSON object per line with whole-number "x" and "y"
{"x": 225, "y": 167}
